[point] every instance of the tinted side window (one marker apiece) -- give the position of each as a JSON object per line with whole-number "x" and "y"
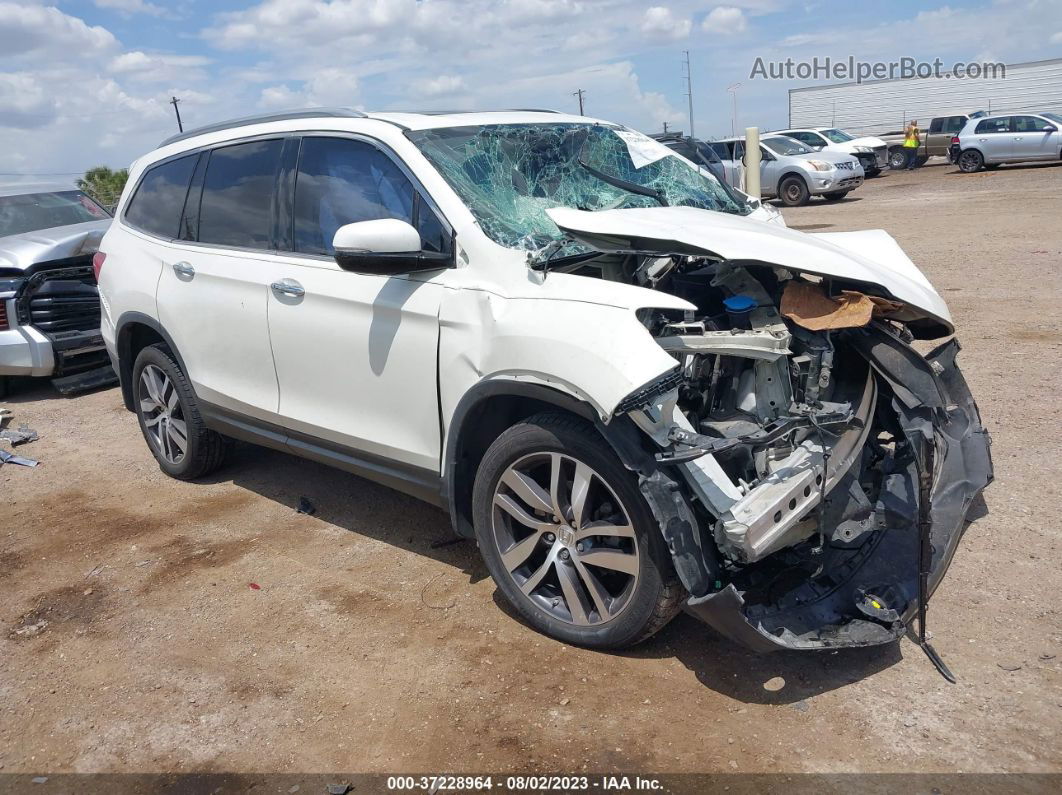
{"x": 156, "y": 206}
{"x": 236, "y": 208}
{"x": 721, "y": 149}
{"x": 342, "y": 181}
{"x": 936, "y": 125}
{"x": 992, "y": 125}
{"x": 1026, "y": 124}
{"x": 955, "y": 123}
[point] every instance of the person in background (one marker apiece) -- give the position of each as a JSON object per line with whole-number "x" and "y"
{"x": 912, "y": 139}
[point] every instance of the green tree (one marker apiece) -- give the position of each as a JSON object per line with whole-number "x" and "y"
{"x": 104, "y": 185}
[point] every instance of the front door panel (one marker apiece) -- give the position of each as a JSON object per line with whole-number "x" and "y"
{"x": 357, "y": 357}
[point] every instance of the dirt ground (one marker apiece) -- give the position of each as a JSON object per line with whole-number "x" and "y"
{"x": 208, "y": 626}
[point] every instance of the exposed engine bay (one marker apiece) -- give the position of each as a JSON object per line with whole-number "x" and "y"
{"x": 801, "y": 455}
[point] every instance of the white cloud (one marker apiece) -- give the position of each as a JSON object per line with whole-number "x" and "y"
{"x": 24, "y": 103}
{"x": 660, "y": 24}
{"x": 725, "y": 20}
{"x": 31, "y": 29}
{"x": 131, "y": 7}
{"x": 158, "y": 68}
{"x": 441, "y": 86}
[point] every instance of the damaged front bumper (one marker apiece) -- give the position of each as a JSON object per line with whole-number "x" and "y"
{"x": 856, "y": 594}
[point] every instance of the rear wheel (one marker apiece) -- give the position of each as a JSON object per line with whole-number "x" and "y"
{"x": 169, "y": 417}
{"x": 793, "y": 191}
{"x": 836, "y": 195}
{"x": 568, "y": 537}
{"x": 970, "y": 161}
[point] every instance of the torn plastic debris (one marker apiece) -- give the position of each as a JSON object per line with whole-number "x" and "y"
{"x": 809, "y": 306}
{"x": 23, "y": 435}
{"x": 11, "y": 458}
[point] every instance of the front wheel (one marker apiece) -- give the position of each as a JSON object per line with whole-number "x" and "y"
{"x": 169, "y": 417}
{"x": 793, "y": 192}
{"x": 568, "y": 537}
{"x": 970, "y": 161}
{"x": 897, "y": 158}
{"x": 835, "y": 196}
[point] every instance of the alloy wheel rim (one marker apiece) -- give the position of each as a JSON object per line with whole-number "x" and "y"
{"x": 969, "y": 160}
{"x": 163, "y": 415}
{"x": 565, "y": 538}
{"x": 793, "y": 191}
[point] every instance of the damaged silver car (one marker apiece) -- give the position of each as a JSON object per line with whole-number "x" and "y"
{"x": 636, "y": 389}
{"x": 49, "y": 306}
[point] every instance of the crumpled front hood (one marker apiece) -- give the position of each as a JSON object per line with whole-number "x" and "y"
{"x": 44, "y": 245}
{"x": 872, "y": 257}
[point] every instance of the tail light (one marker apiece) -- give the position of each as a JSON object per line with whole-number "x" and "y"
{"x": 954, "y": 139}
{"x": 97, "y": 263}
{"x": 4, "y": 325}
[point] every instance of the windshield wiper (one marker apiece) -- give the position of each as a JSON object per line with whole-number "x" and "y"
{"x": 622, "y": 184}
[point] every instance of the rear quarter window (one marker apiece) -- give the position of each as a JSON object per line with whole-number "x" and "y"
{"x": 159, "y": 199}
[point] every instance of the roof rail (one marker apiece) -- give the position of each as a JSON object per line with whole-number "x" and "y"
{"x": 284, "y": 115}
{"x": 466, "y": 112}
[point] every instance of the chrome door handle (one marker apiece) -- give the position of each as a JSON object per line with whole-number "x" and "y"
{"x": 288, "y": 287}
{"x": 183, "y": 269}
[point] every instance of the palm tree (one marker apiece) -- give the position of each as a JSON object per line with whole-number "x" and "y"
{"x": 104, "y": 185}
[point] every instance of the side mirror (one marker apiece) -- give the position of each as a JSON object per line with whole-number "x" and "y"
{"x": 385, "y": 247}
{"x": 1049, "y": 128}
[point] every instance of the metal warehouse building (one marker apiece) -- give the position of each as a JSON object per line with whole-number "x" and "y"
{"x": 879, "y": 106}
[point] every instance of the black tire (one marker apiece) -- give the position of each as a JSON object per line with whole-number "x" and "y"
{"x": 897, "y": 158}
{"x": 656, "y": 594}
{"x": 971, "y": 161}
{"x": 793, "y": 191}
{"x": 835, "y": 196}
{"x": 205, "y": 450}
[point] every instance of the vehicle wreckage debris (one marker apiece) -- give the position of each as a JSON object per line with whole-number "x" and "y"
{"x": 11, "y": 458}
{"x": 810, "y": 307}
{"x": 22, "y": 435}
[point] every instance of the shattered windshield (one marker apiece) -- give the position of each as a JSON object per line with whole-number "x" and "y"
{"x": 510, "y": 174}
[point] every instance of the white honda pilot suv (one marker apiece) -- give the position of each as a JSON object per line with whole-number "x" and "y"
{"x": 632, "y": 385}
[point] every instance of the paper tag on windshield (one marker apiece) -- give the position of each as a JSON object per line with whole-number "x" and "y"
{"x": 643, "y": 149}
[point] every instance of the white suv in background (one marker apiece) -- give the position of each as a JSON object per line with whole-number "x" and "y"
{"x": 572, "y": 340}
{"x": 872, "y": 152}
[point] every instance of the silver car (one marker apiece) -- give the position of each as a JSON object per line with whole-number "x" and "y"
{"x": 792, "y": 171}
{"x": 991, "y": 141}
{"x": 49, "y": 305}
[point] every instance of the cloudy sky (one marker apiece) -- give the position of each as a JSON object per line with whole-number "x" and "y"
{"x": 86, "y": 82}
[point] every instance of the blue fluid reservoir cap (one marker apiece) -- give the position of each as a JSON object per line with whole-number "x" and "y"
{"x": 739, "y": 303}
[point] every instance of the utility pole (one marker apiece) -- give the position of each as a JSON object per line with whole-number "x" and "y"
{"x": 665, "y": 128}
{"x": 579, "y": 94}
{"x": 174, "y": 101}
{"x": 732, "y": 88}
{"x": 689, "y": 89}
